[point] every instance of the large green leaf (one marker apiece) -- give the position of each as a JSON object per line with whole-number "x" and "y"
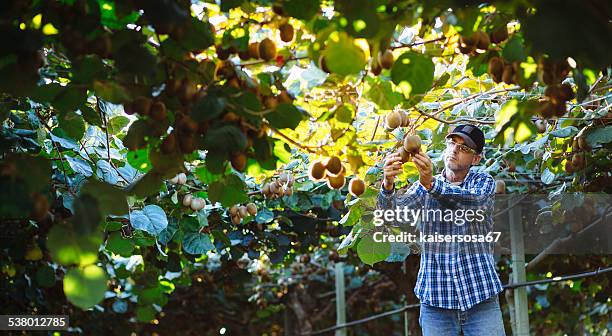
{"x": 228, "y": 192}
{"x": 69, "y": 248}
{"x": 301, "y": 9}
{"x": 151, "y": 219}
{"x": 413, "y": 73}
{"x": 285, "y": 116}
{"x": 73, "y": 124}
{"x": 111, "y": 200}
{"x": 119, "y": 245}
{"x": 342, "y": 56}
{"x": 227, "y": 137}
{"x": 85, "y": 287}
{"x": 197, "y": 243}
{"x": 371, "y": 252}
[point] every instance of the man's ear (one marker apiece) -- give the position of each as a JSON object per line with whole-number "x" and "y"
{"x": 476, "y": 159}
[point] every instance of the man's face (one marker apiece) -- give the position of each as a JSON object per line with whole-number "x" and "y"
{"x": 456, "y": 159}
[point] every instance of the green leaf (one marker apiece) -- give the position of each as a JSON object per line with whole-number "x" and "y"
{"x": 135, "y": 59}
{"x": 70, "y": 99}
{"x": 342, "y": 56}
{"x": 285, "y": 116}
{"x": 91, "y": 116}
{"x": 87, "y": 214}
{"x": 206, "y": 176}
{"x": 197, "y": 243}
{"x": 564, "y": 132}
{"x": 208, "y": 107}
{"x": 301, "y": 9}
{"x": 371, "y": 252}
{"x": 145, "y": 313}
{"x": 85, "y": 287}
{"x": 599, "y": 136}
{"x": 119, "y": 245}
{"x": 381, "y": 93}
{"x": 514, "y": 50}
{"x": 111, "y": 200}
{"x": 227, "y": 137}
{"x": 116, "y": 124}
{"x": 106, "y": 172}
{"x": 68, "y": 248}
{"x": 136, "y": 137}
{"x": 111, "y": 91}
{"x": 151, "y": 219}
{"x": 88, "y": 69}
{"x": 72, "y": 123}
{"x": 413, "y": 73}
{"x": 228, "y": 192}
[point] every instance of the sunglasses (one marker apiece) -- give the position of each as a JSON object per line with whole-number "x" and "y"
{"x": 462, "y": 148}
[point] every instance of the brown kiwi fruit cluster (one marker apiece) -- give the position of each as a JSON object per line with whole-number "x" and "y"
{"x": 384, "y": 60}
{"x": 195, "y": 203}
{"x": 502, "y": 71}
{"x": 477, "y": 43}
{"x": 282, "y": 186}
{"x": 411, "y": 145}
{"x": 499, "y": 35}
{"x": 265, "y": 49}
{"x": 576, "y": 161}
{"x": 555, "y": 97}
{"x": 552, "y": 71}
{"x": 179, "y": 179}
{"x": 145, "y": 106}
{"x": 237, "y": 213}
{"x": 356, "y": 186}
{"x": 331, "y": 170}
{"x": 395, "y": 119}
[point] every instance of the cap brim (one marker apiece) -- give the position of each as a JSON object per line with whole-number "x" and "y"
{"x": 468, "y": 141}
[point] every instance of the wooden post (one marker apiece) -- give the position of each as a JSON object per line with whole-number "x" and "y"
{"x": 518, "y": 269}
{"x": 340, "y": 299}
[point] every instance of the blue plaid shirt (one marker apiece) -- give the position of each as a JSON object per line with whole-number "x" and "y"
{"x": 452, "y": 276}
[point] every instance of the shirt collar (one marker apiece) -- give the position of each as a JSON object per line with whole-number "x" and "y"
{"x": 467, "y": 176}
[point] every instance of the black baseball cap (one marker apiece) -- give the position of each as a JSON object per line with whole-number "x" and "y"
{"x": 472, "y": 135}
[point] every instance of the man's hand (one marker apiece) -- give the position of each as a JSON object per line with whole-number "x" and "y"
{"x": 425, "y": 167}
{"x": 391, "y": 168}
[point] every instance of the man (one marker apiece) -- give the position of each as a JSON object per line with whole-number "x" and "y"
{"x": 457, "y": 285}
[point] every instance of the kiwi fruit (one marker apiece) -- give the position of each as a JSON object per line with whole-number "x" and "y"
{"x": 565, "y": 92}
{"x": 222, "y": 53}
{"x": 578, "y": 161}
{"x": 239, "y": 161}
{"x": 406, "y": 156}
{"x": 496, "y": 68}
{"x": 270, "y": 102}
{"x": 172, "y": 86}
{"x": 236, "y": 220}
{"x": 142, "y": 105}
{"x": 323, "y": 64}
{"x": 583, "y": 144}
{"x": 412, "y": 144}
{"x": 197, "y": 204}
{"x": 375, "y": 68}
{"x": 508, "y": 74}
{"x": 500, "y": 187}
{"x": 242, "y": 211}
{"x": 40, "y": 207}
{"x": 393, "y": 120}
{"x": 187, "y": 200}
{"x": 356, "y": 186}
{"x": 187, "y": 91}
{"x": 317, "y": 172}
{"x": 466, "y": 45}
{"x": 569, "y": 167}
{"x": 285, "y": 97}
{"x": 405, "y": 119}
{"x": 482, "y": 41}
{"x": 541, "y": 125}
{"x": 385, "y": 59}
{"x": 233, "y": 211}
{"x": 254, "y": 50}
{"x": 336, "y": 182}
{"x": 168, "y": 145}
{"x": 252, "y": 209}
{"x": 499, "y": 35}
{"x": 286, "y": 32}
{"x": 158, "y": 111}
{"x": 267, "y": 49}
{"x": 333, "y": 165}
